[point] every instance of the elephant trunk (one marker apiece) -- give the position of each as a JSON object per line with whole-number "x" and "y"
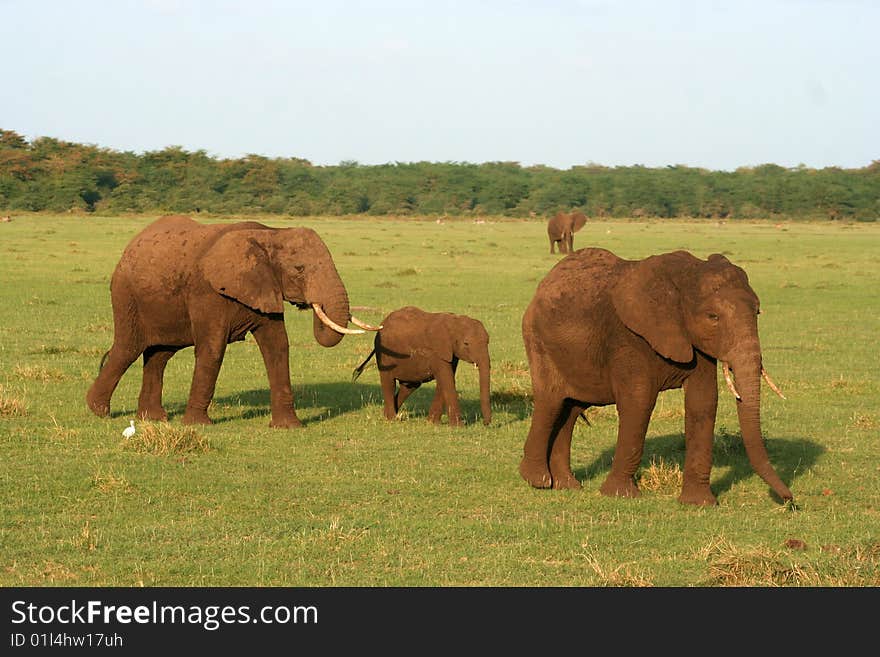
{"x": 747, "y": 371}
{"x": 484, "y": 366}
{"x": 332, "y": 297}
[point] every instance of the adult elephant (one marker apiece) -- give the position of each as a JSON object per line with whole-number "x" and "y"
{"x": 601, "y": 330}
{"x": 415, "y": 346}
{"x": 180, "y": 283}
{"x": 561, "y": 229}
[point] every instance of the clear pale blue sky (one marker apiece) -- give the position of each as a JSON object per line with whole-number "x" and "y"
{"x": 562, "y": 82}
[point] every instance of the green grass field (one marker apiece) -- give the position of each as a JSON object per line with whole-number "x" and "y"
{"x": 353, "y": 500}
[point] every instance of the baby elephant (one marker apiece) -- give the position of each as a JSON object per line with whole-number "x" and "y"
{"x": 415, "y": 346}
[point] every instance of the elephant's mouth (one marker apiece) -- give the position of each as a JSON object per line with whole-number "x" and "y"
{"x": 732, "y": 386}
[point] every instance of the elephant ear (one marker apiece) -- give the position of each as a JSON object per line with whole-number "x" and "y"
{"x": 578, "y": 221}
{"x": 649, "y": 304}
{"x": 439, "y": 339}
{"x": 238, "y": 266}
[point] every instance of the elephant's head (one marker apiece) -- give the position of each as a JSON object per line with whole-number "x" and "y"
{"x": 262, "y": 268}
{"x": 468, "y": 341}
{"x": 679, "y": 303}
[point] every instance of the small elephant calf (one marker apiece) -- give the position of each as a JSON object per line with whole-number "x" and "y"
{"x": 415, "y": 346}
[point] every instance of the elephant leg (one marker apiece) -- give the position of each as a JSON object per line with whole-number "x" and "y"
{"x": 389, "y": 397}
{"x": 119, "y": 359}
{"x": 444, "y": 373}
{"x": 560, "y": 448}
{"x": 634, "y": 408}
{"x": 569, "y": 243}
{"x": 403, "y": 392}
{"x": 275, "y": 349}
{"x": 150, "y": 399}
{"x": 209, "y": 357}
{"x": 437, "y": 403}
{"x": 546, "y": 422}
{"x": 700, "y": 407}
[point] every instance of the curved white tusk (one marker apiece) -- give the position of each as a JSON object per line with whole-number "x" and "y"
{"x": 364, "y": 325}
{"x": 726, "y": 369}
{"x": 770, "y": 383}
{"x": 329, "y": 322}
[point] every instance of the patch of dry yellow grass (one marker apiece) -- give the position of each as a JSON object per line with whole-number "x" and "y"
{"x": 165, "y": 439}
{"x": 11, "y": 406}
{"x": 731, "y": 565}
{"x": 619, "y": 575}
{"x": 110, "y": 482}
{"x": 38, "y": 373}
{"x": 661, "y": 477}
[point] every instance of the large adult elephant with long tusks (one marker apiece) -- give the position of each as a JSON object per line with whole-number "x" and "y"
{"x": 601, "y": 330}
{"x": 180, "y": 283}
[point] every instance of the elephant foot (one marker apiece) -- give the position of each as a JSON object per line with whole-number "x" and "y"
{"x": 698, "y": 495}
{"x": 99, "y": 407}
{"x": 196, "y": 417}
{"x": 566, "y": 481}
{"x": 537, "y": 475}
{"x": 286, "y": 422}
{"x": 156, "y": 415}
{"x": 615, "y": 486}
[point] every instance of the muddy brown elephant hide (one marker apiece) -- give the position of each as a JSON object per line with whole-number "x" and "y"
{"x": 180, "y": 283}
{"x": 561, "y": 229}
{"x": 601, "y": 330}
{"x": 414, "y": 347}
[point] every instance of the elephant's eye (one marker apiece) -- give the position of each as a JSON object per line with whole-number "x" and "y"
{"x": 712, "y": 316}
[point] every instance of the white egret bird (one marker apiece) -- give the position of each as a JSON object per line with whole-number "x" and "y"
{"x": 129, "y": 430}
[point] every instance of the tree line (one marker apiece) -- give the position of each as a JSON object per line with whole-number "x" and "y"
{"x": 48, "y": 174}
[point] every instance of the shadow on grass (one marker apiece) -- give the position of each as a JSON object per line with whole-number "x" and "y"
{"x": 518, "y": 404}
{"x": 789, "y": 456}
{"x": 337, "y": 398}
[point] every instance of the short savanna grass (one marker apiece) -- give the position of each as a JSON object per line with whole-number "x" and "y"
{"x": 353, "y": 500}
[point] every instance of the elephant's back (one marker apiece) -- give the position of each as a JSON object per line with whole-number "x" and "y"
{"x": 572, "y": 294}
{"x": 405, "y": 316}
{"x": 401, "y": 326}
{"x": 160, "y": 258}
{"x": 579, "y": 279}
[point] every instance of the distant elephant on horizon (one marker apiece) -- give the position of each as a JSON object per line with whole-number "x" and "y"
{"x": 414, "y": 347}
{"x": 180, "y": 283}
{"x": 602, "y": 330}
{"x": 562, "y": 227}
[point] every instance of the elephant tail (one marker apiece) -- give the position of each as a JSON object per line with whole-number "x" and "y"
{"x": 103, "y": 360}
{"x": 360, "y": 368}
